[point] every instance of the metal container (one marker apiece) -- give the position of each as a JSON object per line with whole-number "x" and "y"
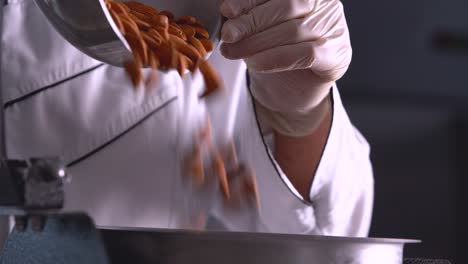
{"x": 182, "y": 247}
{"x": 88, "y": 25}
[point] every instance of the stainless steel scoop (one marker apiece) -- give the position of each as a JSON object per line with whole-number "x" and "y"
{"x": 88, "y": 25}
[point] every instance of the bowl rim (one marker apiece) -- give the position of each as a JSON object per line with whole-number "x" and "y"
{"x": 229, "y": 235}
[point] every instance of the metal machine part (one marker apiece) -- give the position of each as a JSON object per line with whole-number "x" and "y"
{"x": 65, "y": 239}
{"x": 32, "y": 185}
{"x": 88, "y": 25}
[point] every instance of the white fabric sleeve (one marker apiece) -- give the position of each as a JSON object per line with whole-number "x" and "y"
{"x": 342, "y": 192}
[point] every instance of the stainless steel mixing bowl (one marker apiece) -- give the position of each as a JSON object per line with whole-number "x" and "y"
{"x": 181, "y": 247}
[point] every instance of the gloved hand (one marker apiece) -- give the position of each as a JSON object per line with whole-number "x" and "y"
{"x": 294, "y": 50}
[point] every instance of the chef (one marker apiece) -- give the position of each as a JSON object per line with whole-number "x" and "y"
{"x": 279, "y": 60}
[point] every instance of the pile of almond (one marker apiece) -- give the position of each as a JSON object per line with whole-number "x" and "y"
{"x": 158, "y": 40}
{"x": 236, "y": 181}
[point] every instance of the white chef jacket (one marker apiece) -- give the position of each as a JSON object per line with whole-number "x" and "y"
{"x": 121, "y": 144}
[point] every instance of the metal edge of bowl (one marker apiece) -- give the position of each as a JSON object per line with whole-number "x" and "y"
{"x": 266, "y": 236}
{"x": 113, "y": 25}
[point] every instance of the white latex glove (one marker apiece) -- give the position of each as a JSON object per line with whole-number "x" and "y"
{"x": 295, "y": 50}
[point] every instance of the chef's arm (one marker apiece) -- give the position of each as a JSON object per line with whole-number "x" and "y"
{"x": 299, "y": 157}
{"x": 330, "y": 167}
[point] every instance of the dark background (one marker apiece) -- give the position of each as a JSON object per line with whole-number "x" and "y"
{"x": 407, "y": 91}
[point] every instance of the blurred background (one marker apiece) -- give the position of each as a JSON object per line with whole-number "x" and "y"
{"x": 407, "y": 91}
